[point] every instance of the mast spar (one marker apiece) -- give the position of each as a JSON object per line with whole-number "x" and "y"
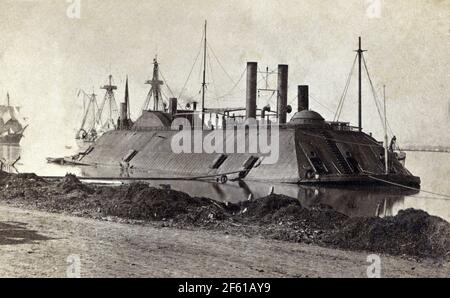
{"x": 386, "y": 156}
{"x": 360, "y": 53}
{"x": 110, "y": 101}
{"x": 204, "y": 79}
{"x": 155, "y": 90}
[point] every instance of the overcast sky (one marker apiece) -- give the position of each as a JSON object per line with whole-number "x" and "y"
{"x": 45, "y": 56}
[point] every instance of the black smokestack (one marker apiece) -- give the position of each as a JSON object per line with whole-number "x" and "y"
{"x": 303, "y": 97}
{"x": 127, "y": 102}
{"x": 252, "y": 68}
{"x": 173, "y": 106}
{"x": 282, "y": 92}
{"x": 123, "y": 112}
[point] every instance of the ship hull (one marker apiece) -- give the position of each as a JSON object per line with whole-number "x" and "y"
{"x": 387, "y": 179}
{"x": 299, "y": 150}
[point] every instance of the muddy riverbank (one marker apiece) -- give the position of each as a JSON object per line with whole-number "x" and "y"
{"x": 410, "y": 233}
{"x": 41, "y": 244}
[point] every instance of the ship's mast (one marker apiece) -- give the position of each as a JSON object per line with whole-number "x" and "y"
{"x": 266, "y": 75}
{"x": 110, "y": 99}
{"x": 386, "y": 161}
{"x": 155, "y": 90}
{"x": 7, "y": 98}
{"x": 92, "y": 104}
{"x": 360, "y": 53}
{"x": 204, "y": 79}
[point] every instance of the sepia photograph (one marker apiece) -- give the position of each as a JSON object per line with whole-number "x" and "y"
{"x": 237, "y": 139}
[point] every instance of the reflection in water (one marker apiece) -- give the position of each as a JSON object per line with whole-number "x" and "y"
{"x": 352, "y": 201}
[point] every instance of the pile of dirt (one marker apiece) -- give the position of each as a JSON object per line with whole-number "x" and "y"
{"x": 410, "y": 232}
{"x": 70, "y": 183}
{"x": 17, "y": 187}
{"x": 281, "y": 209}
{"x": 20, "y": 180}
{"x": 284, "y": 218}
{"x": 142, "y": 202}
{"x": 67, "y": 195}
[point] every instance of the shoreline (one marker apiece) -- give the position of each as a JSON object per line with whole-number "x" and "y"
{"x": 411, "y": 236}
{"x": 112, "y": 249}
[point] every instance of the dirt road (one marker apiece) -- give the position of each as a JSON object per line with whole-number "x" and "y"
{"x": 38, "y": 244}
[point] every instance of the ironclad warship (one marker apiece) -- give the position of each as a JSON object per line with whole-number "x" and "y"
{"x": 311, "y": 149}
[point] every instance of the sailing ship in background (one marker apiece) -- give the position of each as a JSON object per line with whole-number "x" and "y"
{"x": 11, "y": 124}
{"x": 97, "y": 119}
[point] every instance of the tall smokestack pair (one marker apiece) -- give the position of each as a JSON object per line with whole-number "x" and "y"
{"x": 252, "y": 68}
{"x": 282, "y": 91}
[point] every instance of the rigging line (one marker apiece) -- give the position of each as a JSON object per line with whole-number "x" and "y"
{"x": 234, "y": 87}
{"x": 147, "y": 100}
{"x": 220, "y": 64}
{"x": 321, "y": 104}
{"x": 99, "y": 121}
{"x": 200, "y": 71}
{"x": 341, "y": 100}
{"x": 344, "y": 93}
{"x": 211, "y": 73}
{"x": 387, "y": 120}
{"x": 259, "y": 81}
{"x": 264, "y": 76}
{"x": 377, "y": 101}
{"x": 189, "y": 76}
{"x": 340, "y": 107}
{"x": 267, "y": 98}
{"x": 100, "y": 110}
{"x": 164, "y": 99}
{"x": 373, "y": 91}
{"x": 259, "y": 71}
{"x": 409, "y": 187}
{"x": 192, "y": 68}
{"x": 270, "y": 98}
{"x": 167, "y": 85}
{"x": 348, "y": 85}
{"x": 292, "y": 99}
{"x": 87, "y": 110}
